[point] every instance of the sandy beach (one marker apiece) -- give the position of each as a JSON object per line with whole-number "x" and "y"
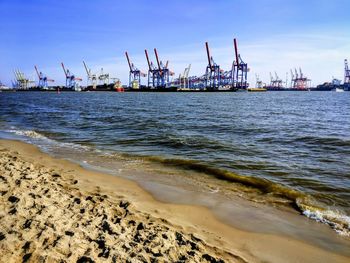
{"x": 55, "y": 211}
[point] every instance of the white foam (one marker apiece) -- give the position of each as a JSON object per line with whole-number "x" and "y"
{"x": 37, "y": 136}
{"x": 338, "y": 221}
{"x": 29, "y": 133}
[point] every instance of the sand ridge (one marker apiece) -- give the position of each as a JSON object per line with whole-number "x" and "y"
{"x": 46, "y": 217}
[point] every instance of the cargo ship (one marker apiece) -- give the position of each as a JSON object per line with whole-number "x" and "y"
{"x": 329, "y": 86}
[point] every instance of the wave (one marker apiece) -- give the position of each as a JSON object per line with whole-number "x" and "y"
{"x": 32, "y": 134}
{"x": 324, "y": 141}
{"x": 302, "y": 202}
{"x": 263, "y": 185}
{"x": 335, "y": 219}
{"x": 29, "y": 133}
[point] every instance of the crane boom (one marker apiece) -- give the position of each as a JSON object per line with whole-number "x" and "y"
{"x": 208, "y": 54}
{"x": 86, "y": 68}
{"x": 149, "y": 64}
{"x": 64, "y": 70}
{"x": 37, "y": 72}
{"x": 127, "y": 57}
{"x": 236, "y": 50}
{"x": 158, "y": 63}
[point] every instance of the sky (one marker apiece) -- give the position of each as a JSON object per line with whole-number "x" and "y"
{"x": 273, "y": 36}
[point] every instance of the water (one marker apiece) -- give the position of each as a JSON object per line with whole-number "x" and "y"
{"x": 286, "y": 148}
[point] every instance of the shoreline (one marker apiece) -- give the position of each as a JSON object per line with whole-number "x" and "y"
{"x": 218, "y": 240}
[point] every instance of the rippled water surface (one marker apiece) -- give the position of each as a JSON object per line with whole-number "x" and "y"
{"x": 291, "y": 144}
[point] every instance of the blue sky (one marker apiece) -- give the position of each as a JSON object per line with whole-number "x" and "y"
{"x": 273, "y": 35}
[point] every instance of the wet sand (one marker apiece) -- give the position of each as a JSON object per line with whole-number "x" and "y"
{"x": 55, "y": 211}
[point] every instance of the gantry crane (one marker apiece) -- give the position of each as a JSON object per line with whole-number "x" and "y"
{"x": 163, "y": 72}
{"x": 275, "y": 82}
{"x": 22, "y": 82}
{"x": 184, "y": 80}
{"x": 103, "y": 77}
{"x": 299, "y": 81}
{"x": 158, "y": 76}
{"x": 134, "y": 74}
{"x": 152, "y": 72}
{"x": 240, "y": 71}
{"x": 212, "y": 72}
{"x": 43, "y": 79}
{"x": 71, "y": 80}
{"x": 259, "y": 84}
{"x": 346, "y": 73}
{"x": 91, "y": 78}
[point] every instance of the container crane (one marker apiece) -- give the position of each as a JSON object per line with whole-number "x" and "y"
{"x": 186, "y": 80}
{"x": 271, "y": 79}
{"x": 346, "y": 73}
{"x": 158, "y": 76}
{"x": 43, "y": 79}
{"x": 299, "y": 81}
{"x": 171, "y": 73}
{"x": 162, "y": 72}
{"x": 91, "y": 78}
{"x": 103, "y": 77}
{"x": 291, "y": 78}
{"x": 71, "y": 80}
{"x": 278, "y": 81}
{"x": 275, "y": 82}
{"x": 134, "y": 74}
{"x": 212, "y": 72}
{"x": 259, "y": 84}
{"x": 152, "y": 72}
{"x": 22, "y": 82}
{"x": 183, "y": 82}
{"x": 240, "y": 70}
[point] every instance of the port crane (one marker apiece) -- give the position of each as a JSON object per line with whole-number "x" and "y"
{"x": 299, "y": 81}
{"x": 91, "y": 78}
{"x": 163, "y": 72}
{"x": 278, "y": 80}
{"x": 291, "y": 78}
{"x": 43, "y": 79}
{"x": 171, "y": 73}
{"x": 239, "y": 71}
{"x": 152, "y": 72}
{"x": 346, "y": 73}
{"x": 71, "y": 80}
{"x": 275, "y": 83}
{"x": 103, "y": 77}
{"x": 158, "y": 76}
{"x": 134, "y": 74}
{"x": 212, "y": 72}
{"x": 22, "y": 82}
{"x": 184, "y": 80}
{"x": 259, "y": 83}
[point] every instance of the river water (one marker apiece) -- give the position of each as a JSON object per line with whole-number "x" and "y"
{"x": 288, "y": 149}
